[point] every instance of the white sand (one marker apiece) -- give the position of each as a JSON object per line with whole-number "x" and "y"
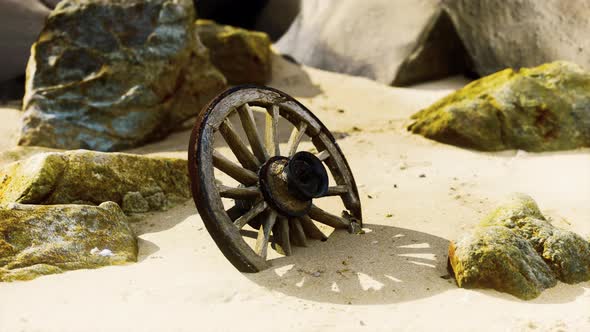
{"x": 388, "y": 279}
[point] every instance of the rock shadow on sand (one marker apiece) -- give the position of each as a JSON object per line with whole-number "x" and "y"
{"x": 384, "y": 265}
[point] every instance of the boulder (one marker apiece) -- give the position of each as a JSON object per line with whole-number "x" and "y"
{"x": 517, "y": 250}
{"x": 20, "y": 23}
{"x": 109, "y": 75}
{"x": 137, "y": 183}
{"x": 545, "y": 108}
{"x": 38, "y": 240}
{"x": 521, "y": 33}
{"x": 369, "y": 38}
{"x": 243, "y": 56}
{"x": 565, "y": 252}
{"x": 494, "y": 257}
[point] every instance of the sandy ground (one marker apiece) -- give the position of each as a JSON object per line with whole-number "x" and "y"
{"x": 416, "y": 195}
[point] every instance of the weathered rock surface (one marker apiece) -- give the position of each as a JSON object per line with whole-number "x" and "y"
{"x": 522, "y": 33}
{"x": 20, "y": 23}
{"x": 544, "y": 108}
{"x": 108, "y": 75}
{"x": 137, "y": 183}
{"x": 516, "y": 250}
{"x": 364, "y": 38}
{"x": 566, "y": 253}
{"x": 494, "y": 257}
{"x": 438, "y": 52}
{"x": 243, "y": 56}
{"x": 39, "y": 240}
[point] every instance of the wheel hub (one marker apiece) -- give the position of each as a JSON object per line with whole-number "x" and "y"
{"x": 290, "y": 184}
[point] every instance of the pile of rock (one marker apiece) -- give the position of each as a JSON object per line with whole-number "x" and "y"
{"x": 56, "y": 208}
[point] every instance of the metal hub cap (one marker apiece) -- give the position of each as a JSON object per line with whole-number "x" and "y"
{"x": 290, "y": 184}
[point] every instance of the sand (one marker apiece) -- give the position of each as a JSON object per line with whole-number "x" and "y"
{"x": 416, "y": 194}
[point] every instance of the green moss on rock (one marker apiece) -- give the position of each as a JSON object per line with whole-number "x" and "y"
{"x": 38, "y": 240}
{"x": 535, "y": 109}
{"x": 494, "y": 257}
{"x": 499, "y": 241}
{"x": 93, "y": 178}
{"x": 243, "y": 56}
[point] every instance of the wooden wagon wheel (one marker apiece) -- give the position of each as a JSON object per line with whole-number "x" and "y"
{"x": 276, "y": 188}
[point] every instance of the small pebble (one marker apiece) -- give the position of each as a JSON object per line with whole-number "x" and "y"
{"x": 422, "y": 175}
{"x": 316, "y": 274}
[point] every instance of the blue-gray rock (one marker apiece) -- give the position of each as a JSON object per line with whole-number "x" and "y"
{"x": 109, "y": 75}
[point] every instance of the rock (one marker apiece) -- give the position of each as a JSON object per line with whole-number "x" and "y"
{"x": 276, "y": 17}
{"x": 517, "y": 250}
{"x": 38, "y": 240}
{"x": 494, "y": 257}
{"x": 364, "y": 38}
{"x": 96, "y": 177}
{"x": 523, "y": 33}
{"x": 242, "y": 56}
{"x": 20, "y": 23}
{"x": 133, "y": 202}
{"x": 566, "y": 253}
{"x": 535, "y": 109}
{"x": 438, "y": 52}
{"x": 109, "y": 75}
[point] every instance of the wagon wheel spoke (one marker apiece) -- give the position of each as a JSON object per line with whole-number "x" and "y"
{"x": 285, "y": 236}
{"x": 271, "y": 133}
{"x": 247, "y": 119}
{"x": 238, "y": 173}
{"x": 311, "y": 230}
{"x": 295, "y": 138}
{"x": 336, "y": 191}
{"x": 246, "y": 193}
{"x": 299, "y": 238}
{"x": 261, "y": 247}
{"x": 240, "y": 150}
{"x": 327, "y": 218}
{"x": 253, "y": 212}
{"x": 323, "y": 155}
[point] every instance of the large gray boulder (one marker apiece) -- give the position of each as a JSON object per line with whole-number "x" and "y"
{"x": 521, "y": 33}
{"x": 365, "y": 38}
{"x": 109, "y": 75}
{"x": 20, "y": 24}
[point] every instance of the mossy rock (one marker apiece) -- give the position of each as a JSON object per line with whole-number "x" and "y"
{"x": 566, "y": 253}
{"x": 38, "y": 240}
{"x": 545, "y": 108}
{"x": 494, "y": 257}
{"x": 243, "y": 56}
{"x": 499, "y": 241}
{"x": 89, "y": 177}
{"x": 109, "y": 75}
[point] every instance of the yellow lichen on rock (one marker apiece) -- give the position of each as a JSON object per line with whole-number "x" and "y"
{"x": 88, "y": 177}
{"x": 243, "y": 56}
{"x": 534, "y": 109}
{"x": 40, "y": 240}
